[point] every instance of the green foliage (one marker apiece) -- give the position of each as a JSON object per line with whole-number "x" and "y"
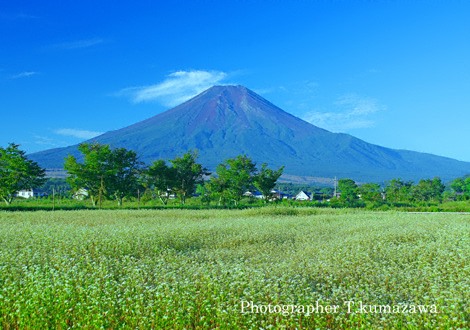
{"x": 428, "y": 190}
{"x": 177, "y": 269}
{"x": 187, "y": 174}
{"x": 238, "y": 175}
{"x": 104, "y": 172}
{"x": 234, "y": 177}
{"x": 461, "y": 188}
{"x": 371, "y": 192}
{"x": 398, "y": 191}
{"x": 17, "y": 172}
{"x": 160, "y": 179}
{"x": 90, "y": 174}
{"x": 349, "y": 192}
{"x": 58, "y": 186}
{"x": 123, "y": 174}
{"x": 266, "y": 179}
{"x": 204, "y": 194}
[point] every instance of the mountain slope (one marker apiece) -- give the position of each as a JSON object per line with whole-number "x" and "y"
{"x": 226, "y": 121}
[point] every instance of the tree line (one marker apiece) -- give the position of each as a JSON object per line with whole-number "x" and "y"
{"x": 17, "y": 172}
{"x": 116, "y": 174}
{"x": 396, "y": 191}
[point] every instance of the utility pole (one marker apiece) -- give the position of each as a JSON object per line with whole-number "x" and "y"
{"x": 53, "y": 198}
{"x": 101, "y": 192}
{"x": 335, "y": 182}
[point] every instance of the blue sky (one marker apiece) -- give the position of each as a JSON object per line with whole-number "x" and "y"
{"x": 394, "y": 73}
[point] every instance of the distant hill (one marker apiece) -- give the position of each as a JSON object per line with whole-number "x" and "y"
{"x": 225, "y": 121}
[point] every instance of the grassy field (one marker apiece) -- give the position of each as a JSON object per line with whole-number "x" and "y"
{"x": 256, "y": 268}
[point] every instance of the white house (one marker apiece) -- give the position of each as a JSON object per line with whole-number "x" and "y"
{"x": 80, "y": 194}
{"x": 303, "y": 196}
{"x": 30, "y": 193}
{"x": 27, "y": 193}
{"x": 254, "y": 194}
{"x": 277, "y": 194}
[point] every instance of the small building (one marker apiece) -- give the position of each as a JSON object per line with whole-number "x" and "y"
{"x": 279, "y": 195}
{"x": 81, "y": 194}
{"x": 254, "y": 194}
{"x": 31, "y": 193}
{"x": 303, "y": 196}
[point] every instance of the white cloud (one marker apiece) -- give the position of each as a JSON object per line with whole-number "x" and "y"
{"x": 79, "y": 44}
{"x": 178, "y": 87}
{"x": 352, "y": 112}
{"x": 44, "y": 141}
{"x": 358, "y": 106}
{"x": 17, "y": 16}
{"x": 25, "y": 74}
{"x": 77, "y": 133}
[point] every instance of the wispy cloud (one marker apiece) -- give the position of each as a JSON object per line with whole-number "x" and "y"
{"x": 78, "y": 44}
{"x": 178, "y": 87}
{"x": 296, "y": 97}
{"x": 77, "y": 133}
{"x": 25, "y": 74}
{"x": 352, "y": 112}
{"x": 17, "y": 16}
{"x": 45, "y": 141}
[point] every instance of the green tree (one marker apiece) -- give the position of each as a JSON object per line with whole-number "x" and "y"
{"x": 461, "y": 187}
{"x": 326, "y": 192}
{"x": 93, "y": 173}
{"x": 437, "y": 189}
{"x": 123, "y": 175}
{"x": 187, "y": 175}
{"x": 349, "y": 191}
{"x": 58, "y": 186}
{"x": 371, "y": 192}
{"x": 466, "y": 187}
{"x": 398, "y": 191}
{"x": 104, "y": 172}
{"x": 266, "y": 179}
{"x": 160, "y": 178}
{"x": 234, "y": 177}
{"x": 458, "y": 185}
{"x": 218, "y": 187}
{"x": 17, "y": 172}
{"x": 428, "y": 190}
{"x": 204, "y": 193}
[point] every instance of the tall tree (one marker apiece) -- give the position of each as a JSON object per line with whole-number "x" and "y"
{"x": 458, "y": 185}
{"x": 461, "y": 187}
{"x": 266, "y": 179}
{"x": 398, "y": 191}
{"x": 187, "y": 175}
{"x": 123, "y": 174}
{"x": 218, "y": 188}
{"x": 234, "y": 177}
{"x": 17, "y": 172}
{"x": 93, "y": 173}
{"x": 349, "y": 191}
{"x": 428, "y": 190}
{"x": 104, "y": 172}
{"x": 160, "y": 179}
{"x": 371, "y": 192}
{"x": 204, "y": 194}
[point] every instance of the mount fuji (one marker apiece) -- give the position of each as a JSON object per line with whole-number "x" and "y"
{"x": 225, "y": 121}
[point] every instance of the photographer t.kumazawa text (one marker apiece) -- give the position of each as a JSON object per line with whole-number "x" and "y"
{"x": 348, "y": 306}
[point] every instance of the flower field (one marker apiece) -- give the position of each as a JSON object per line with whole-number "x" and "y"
{"x": 265, "y": 268}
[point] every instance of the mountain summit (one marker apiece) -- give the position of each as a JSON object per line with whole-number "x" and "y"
{"x": 225, "y": 121}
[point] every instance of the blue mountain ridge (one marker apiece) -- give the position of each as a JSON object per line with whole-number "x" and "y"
{"x": 226, "y": 121}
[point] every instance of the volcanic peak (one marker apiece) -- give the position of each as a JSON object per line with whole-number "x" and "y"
{"x": 226, "y": 121}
